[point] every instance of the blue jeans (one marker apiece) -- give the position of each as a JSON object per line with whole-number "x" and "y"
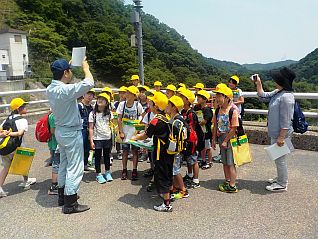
{"x": 71, "y": 159}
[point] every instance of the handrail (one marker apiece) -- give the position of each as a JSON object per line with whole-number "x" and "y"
{"x": 311, "y": 96}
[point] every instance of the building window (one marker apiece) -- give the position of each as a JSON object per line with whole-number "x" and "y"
{"x": 3, "y": 56}
{"x": 17, "y": 38}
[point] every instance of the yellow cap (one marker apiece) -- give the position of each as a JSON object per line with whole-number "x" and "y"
{"x": 188, "y": 94}
{"x": 134, "y": 77}
{"x": 223, "y": 89}
{"x": 159, "y": 99}
{"x": 157, "y": 83}
{"x": 105, "y": 96}
{"x": 177, "y": 102}
{"x": 182, "y": 85}
{"x": 171, "y": 87}
{"x": 235, "y": 77}
{"x": 16, "y": 103}
{"x": 122, "y": 89}
{"x": 199, "y": 86}
{"x": 204, "y": 93}
{"x": 91, "y": 91}
{"x": 144, "y": 87}
{"x": 107, "y": 89}
{"x": 180, "y": 89}
{"x": 133, "y": 89}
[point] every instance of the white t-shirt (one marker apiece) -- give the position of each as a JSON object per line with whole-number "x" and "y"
{"x": 101, "y": 130}
{"x": 236, "y": 95}
{"x": 150, "y": 116}
{"x": 130, "y": 112}
{"x": 133, "y": 113}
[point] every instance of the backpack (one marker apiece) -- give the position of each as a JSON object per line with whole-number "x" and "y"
{"x": 299, "y": 122}
{"x": 42, "y": 129}
{"x": 177, "y": 136}
{"x": 195, "y": 141}
{"x": 9, "y": 144}
{"x": 239, "y": 130}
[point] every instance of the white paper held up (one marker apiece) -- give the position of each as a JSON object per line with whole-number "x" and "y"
{"x": 78, "y": 55}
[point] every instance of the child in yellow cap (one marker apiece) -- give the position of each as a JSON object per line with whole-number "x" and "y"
{"x": 20, "y": 126}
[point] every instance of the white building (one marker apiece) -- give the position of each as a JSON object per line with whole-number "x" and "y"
{"x": 14, "y": 58}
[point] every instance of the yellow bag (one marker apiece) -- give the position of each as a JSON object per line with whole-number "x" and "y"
{"x": 241, "y": 150}
{"x": 22, "y": 161}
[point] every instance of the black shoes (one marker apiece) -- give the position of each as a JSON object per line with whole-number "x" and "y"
{"x": 71, "y": 205}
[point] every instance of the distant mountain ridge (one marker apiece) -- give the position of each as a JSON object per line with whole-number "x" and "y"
{"x": 268, "y": 66}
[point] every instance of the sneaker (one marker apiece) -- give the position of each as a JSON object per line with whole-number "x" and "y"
{"x": 272, "y": 180}
{"x": 221, "y": 186}
{"x": 124, "y": 174}
{"x": 100, "y": 179}
{"x": 148, "y": 173}
{"x": 27, "y": 184}
{"x": 150, "y": 186}
{"x": 186, "y": 178}
{"x": 163, "y": 208}
{"x": 206, "y": 166}
{"x": 53, "y": 190}
{"x": 227, "y": 188}
{"x": 179, "y": 195}
{"x": 134, "y": 175}
{"x": 88, "y": 168}
{"x": 130, "y": 155}
{"x": 3, "y": 194}
{"x": 275, "y": 187}
{"x": 217, "y": 158}
{"x": 108, "y": 176}
{"x": 195, "y": 185}
{"x": 143, "y": 158}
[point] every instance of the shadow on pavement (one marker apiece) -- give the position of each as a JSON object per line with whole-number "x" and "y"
{"x": 42, "y": 198}
{"x": 255, "y": 187}
{"x": 143, "y": 199}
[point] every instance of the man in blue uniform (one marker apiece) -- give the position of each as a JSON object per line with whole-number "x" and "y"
{"x": 62, "y": 97}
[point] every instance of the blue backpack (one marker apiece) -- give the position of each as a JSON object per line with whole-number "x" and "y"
{"x": 299, "y": 122}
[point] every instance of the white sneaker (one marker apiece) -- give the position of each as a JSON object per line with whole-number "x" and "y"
{"x": 275, "y": 187}
{"x": 3, "y": 194}
{"x": 272, "y": 180}
{"x": 27, "y": 184}
{"x": 163, "y": 208}
{"x": 88, "y": 168}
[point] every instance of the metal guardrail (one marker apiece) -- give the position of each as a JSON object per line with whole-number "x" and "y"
{"x": 309, "y": 96}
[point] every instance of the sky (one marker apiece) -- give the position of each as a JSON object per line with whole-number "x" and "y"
{"x": 242, "y": 31}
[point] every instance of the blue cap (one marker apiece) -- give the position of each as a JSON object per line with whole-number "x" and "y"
{"x": 60, "y": 66}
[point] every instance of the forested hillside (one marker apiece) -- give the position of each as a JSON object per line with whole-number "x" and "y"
{"x": 268, "y": 66}
{"x": 104, "y": 27}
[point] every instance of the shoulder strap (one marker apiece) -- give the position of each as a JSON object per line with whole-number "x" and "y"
{"x": 124, "y": 108}
{"x": 231, "y": 113}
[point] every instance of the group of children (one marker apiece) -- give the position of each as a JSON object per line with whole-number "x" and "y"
{"x": 156, "y": 110}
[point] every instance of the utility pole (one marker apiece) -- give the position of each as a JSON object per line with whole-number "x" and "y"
{"x": 138, "y": 28}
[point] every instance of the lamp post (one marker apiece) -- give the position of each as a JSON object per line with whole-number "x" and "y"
{"x": 138, "y": 29}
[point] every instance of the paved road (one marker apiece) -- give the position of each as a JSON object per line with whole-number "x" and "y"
{"x": 123, "y": 209}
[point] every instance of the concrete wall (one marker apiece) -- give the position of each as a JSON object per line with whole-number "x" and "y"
{"x": 12, "y": 85}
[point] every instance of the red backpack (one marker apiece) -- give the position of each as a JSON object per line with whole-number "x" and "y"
{"x": 42, "y": 129}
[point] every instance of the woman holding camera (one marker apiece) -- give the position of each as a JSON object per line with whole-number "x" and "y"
{"x": 280, "y": 115}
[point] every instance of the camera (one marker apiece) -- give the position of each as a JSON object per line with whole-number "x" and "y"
{"x": 254, "y": 77}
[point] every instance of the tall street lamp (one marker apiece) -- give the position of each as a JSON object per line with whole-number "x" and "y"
{"x": 138, "y": 28}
